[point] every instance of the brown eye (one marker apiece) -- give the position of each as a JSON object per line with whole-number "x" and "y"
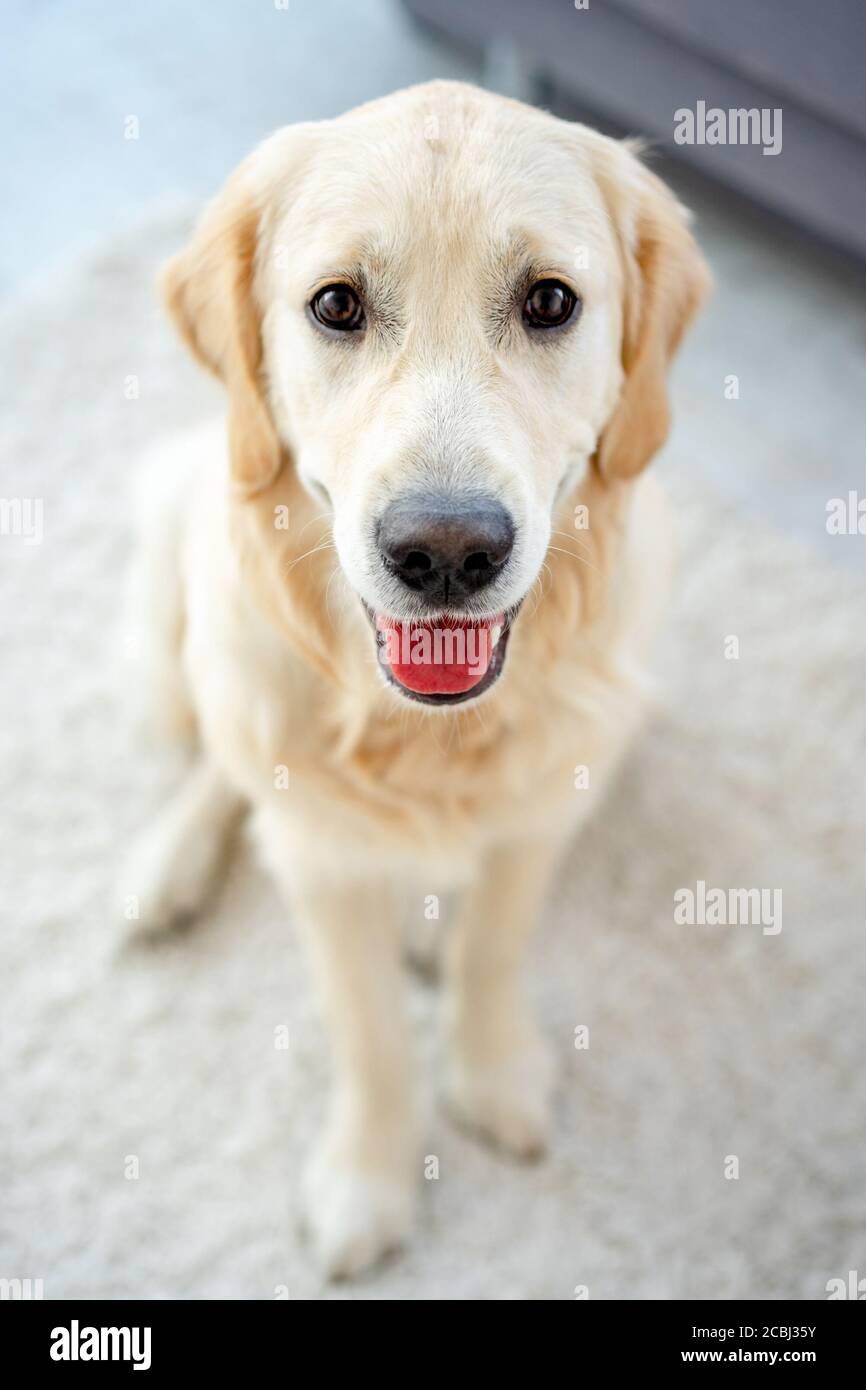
{"x": 549, "y": 304}
{"x": 338, "y": 306}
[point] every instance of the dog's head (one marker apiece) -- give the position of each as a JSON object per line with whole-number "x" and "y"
{"x": 440, "y": 309}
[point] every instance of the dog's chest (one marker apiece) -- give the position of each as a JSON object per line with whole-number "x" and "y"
{"x": 491, "y": 773}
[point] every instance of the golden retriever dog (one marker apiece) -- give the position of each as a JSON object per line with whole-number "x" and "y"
{"x": 401, "y": 604}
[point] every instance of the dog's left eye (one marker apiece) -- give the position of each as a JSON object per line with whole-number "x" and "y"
{"x": 338, "y": 306}
{"x": 549, "y": 304}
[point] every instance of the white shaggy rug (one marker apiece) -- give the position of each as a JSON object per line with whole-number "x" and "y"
{"x": 706, "y": 1042}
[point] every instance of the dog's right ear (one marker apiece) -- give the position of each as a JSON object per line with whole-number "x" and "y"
{"x": 209, "y": 290}
{"x": 665, "y": 281}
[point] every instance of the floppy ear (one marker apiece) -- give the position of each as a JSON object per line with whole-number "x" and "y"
{"x": 666, "y": 279}
{"x": 209, "y": 290}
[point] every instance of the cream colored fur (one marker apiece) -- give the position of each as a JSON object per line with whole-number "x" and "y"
{"x": 254, "y": 639}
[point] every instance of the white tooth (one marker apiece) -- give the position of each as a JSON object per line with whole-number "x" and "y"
{"x": 496, "y": 634}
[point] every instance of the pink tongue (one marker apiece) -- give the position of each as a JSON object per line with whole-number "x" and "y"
{"x": 443, "y": 657}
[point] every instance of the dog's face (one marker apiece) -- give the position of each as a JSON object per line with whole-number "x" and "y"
{"x": 442, "y": 307}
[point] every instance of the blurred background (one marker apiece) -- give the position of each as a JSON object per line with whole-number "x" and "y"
{"x": 118, "y": 121}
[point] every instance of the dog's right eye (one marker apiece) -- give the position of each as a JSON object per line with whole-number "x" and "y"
{"x": 338, "y": 306}
{"x": 550, "y": 304}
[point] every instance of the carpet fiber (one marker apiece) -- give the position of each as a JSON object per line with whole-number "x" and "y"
{"x": 706, "y": 1043}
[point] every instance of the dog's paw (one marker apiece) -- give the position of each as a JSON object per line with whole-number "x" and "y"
{"x": 353, "y": 1217}
{"x": 174, "y": 865}
{"x": 163, "y": 881}
{"x": 506, "y": 1102}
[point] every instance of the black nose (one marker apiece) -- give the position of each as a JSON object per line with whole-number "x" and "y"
{"x": 445, "y": 547}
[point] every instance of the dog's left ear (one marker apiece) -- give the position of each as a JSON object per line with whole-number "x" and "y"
{"x": 666, "y": 280}
{"x": 209, "y": 291}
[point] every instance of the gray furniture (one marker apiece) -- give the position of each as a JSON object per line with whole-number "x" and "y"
{"x": 634, "y": 63}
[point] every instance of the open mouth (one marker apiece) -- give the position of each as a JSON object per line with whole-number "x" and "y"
{"x": 442, "y": 661}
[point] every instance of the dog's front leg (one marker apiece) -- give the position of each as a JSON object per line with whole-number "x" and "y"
{"x": 361, "y": 1180}
{"x": 499, "y": 1072}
